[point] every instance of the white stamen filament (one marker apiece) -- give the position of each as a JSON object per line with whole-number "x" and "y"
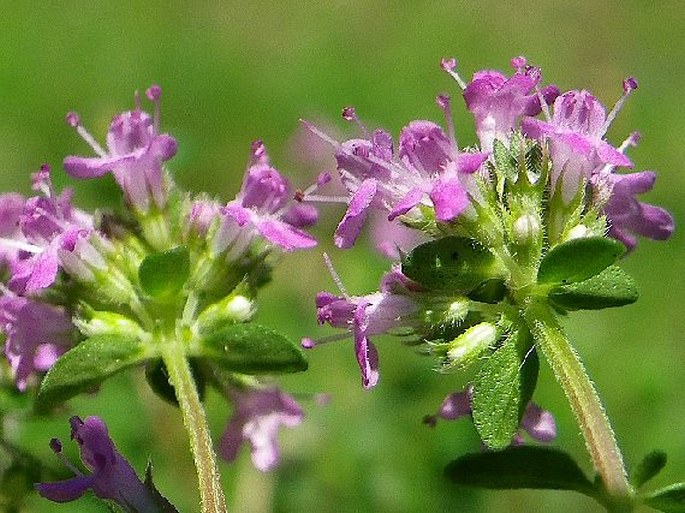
{"x": 614, "y": 112}
{"x": 90, "y": 140}
{"x": 335, "y": 276}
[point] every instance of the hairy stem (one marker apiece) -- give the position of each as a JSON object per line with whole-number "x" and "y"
{"x": 211, "y": 494}
{"x": 585, "y": 403}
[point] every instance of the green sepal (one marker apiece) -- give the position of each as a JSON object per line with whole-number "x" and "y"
{"x": 579, "y": 259}
{"x": 157, "y": 377}
{"x": 502, "y": 389}
{"x": 517, "y": 467}
{"x": 250, "y": 349}
{"x": 669, "y": 500}
{"x": 163, "y": 275}
{"x": 451, "y": 263}
{"x": 610, "y": 288}
{"x": 87, "y": 365}
{"x": 649, "y": 467}
{"x": 162, "y": 503}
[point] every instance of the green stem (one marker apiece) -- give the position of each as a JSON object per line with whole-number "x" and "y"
{"x": 211, "y": 494}
{"x": 585, "y": 403}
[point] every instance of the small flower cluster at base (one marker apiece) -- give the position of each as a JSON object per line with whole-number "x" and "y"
{"x": 258, "y": 415}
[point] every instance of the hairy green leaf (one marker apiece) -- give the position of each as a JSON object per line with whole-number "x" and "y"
{"x": 610, "y": 288}
{"x": 249, "y": 348}
{"x": 502, "y": 390}
{"x": 669, "y": 500}
{"x": 579, "y": 259}
{"x": 87, "y": 365}
{"x": 649, "y": 467}
{"x": 520, "y": 467}
{"x": 451, "y": 263}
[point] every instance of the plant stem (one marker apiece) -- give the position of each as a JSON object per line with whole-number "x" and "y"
{"x": 212, "y": 498}
{"x": 585, "y": 403}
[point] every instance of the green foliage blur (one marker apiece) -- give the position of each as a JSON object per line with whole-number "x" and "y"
{"x": 235, "y": 71}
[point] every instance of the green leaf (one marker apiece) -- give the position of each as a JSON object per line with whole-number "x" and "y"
{"x": 649, "y": 467}
{"x": 451, "y": 263}
{"x": 162, "y": 275}
{"x": 523, "y": 466}
{"x": 579, "y": 259}
{"x": 502, "y": 390}
{"x": 610, "y": 288}
{"x": 669, "y": 500}
{"x": 249, "y": 348}
{"x": 87, "y": 365}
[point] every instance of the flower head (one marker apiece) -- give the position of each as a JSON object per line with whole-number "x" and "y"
{"x": 364, "y": 316}
{"x": 258, "y": 415}
{"x": 136, "y": 152}
{"x": 111, "y": 477}
{"x": 45, "y": 223}
{"x": 427, "y": 169}
{"x": 498, "y": 102}
{"x": 263, "y": 208}
{"x": 576, "y": 139}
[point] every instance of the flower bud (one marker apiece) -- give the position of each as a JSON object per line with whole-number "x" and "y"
{"x": 467, "y": 347}
{"x": 526, "y": 229}
{"x": 232, "y": 309}
{"x": 108, "y": 323}
{"x": 577, "y": 232}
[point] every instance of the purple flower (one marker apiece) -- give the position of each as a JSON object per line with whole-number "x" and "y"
{"x": 381, "y": 312}
{"x": 36, "y": 335}
{"x": 428, "y": 169}
{"x": 258, "y": 415}
{"x": 576, "y": 139}
{"x": 629, "y": 217}
{"x": 136, "y": 152}
{"x": 498, "y": 102}
{"x": 538, "y": 423}
{"x": 112, "y": 477}
{"x": 263, "y": 207}
{"x": 11, "y": 207}
{"x": 46, "y": 221}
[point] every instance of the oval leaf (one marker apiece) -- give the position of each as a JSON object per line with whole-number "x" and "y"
{"x": 163, "y": 275}
{"x": 249, "y": 348}
{"x": 610, "y": 288}
{"x": 579, "y": 259}
{"x": 87, "y": 365}
{"x": 502, "y": 390}
{"x": 451, "y": 263}
{"x": 649, "y": 467}
{"x": 669, "y": 500}
{"x": 520, "y": 467}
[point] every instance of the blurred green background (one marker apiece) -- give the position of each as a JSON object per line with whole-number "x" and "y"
{"x": 236, "y": 71}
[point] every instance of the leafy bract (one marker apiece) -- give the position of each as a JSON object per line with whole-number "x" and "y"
{"x": 249, "y": 348}
{"x": 87, "y": 365}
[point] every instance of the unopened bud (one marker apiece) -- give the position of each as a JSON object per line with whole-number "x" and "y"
{"x": 467, "y": 347}
{"x": 526, "y": 229}
{"x": 457, "y": 310}
{"x": 232, "y": 309}
{"x": 577, "y": 232}
{"x": 108, "y": 323}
